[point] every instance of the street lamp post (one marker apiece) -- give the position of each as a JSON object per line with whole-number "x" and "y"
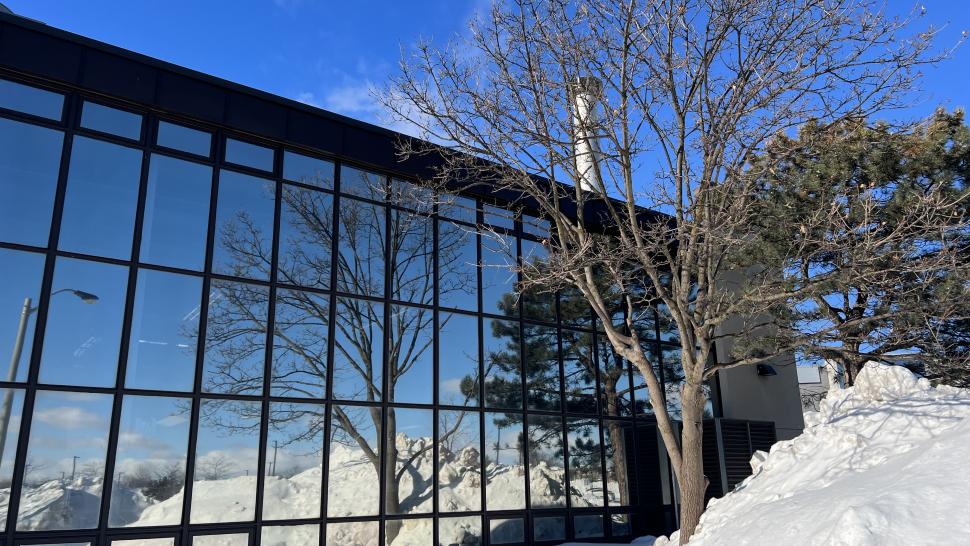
{"x": 18, "y": 349}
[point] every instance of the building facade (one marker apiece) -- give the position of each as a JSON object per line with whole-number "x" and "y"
{"x": 234, "y": 319}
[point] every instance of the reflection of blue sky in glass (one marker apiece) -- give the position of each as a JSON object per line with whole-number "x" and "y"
{"x": 164, "y": 331}
{"x": 22, "y": 272}
{"x": 308, "y": 170}
{"x": 183, "y": 138}
{"x": 31, "y": 100}
{"x": 498, "y": 278}
{"x": 176, "y": 213}
{"x": 249, "y": 155}
{"x": 457, "y": 359}
{"x": 82, "y": 339}
{"x": 102, "y": 190}
{"x": 111, "y": 120}
{"x": 244, "y": 226}
{"x": 411, "y": 355}
{"x": 66, "y": 425}
{"x": 457, "y": 266}
{"x": 358, "y": 350}
{"x": 29, "y": 163}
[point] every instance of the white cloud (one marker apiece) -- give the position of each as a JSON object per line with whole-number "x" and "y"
{"x": 69, "y": 418}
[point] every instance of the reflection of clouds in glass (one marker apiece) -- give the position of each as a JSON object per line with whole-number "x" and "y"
{"x": 68, "y": 418}
{"x": 173, "y": 420}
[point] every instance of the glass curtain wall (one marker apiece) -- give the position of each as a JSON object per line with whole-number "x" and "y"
{"x": 221, "y": 341}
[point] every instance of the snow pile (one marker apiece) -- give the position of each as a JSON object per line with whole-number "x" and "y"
{"x": 881, "y": 463}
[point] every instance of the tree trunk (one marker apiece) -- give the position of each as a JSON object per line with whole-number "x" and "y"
{"x": 692, "y": 482}
{"x": 618, "y": 439}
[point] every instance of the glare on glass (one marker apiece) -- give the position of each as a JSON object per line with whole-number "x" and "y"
{"x": 410, "y": 360}
{"x": 164, "y": 331}
{"x": 290, "y": 535}
{"x": 226, "y": 461}
{"x": 462, "y": 530}
{"x": 459, "y": 461}
{"x": 547, "y": 475}
{"x": 358, "y": 362}
{"x": 294, "y": 461}
{"x": 176, "y": 216}
{"x": 354, "y": 459}
{"x": 243, "y": 238}
{"x": 99, "y": 206}
{"x": 308, "y": 170}
{"x": 504, "y": 479}
{"x": 506, "y": 531}
{"x": 111, "y": 120}
{"x": 502, "y": 364}
{"x": 412, "y": 249}
{"x": 30, "y": 158}
{"x": 31, "y": 100}
{"x": 65, "y": 457}
{"x": 300, "y": 344}
{"x": 149, "y": 471}
{"x": 458, "y": 379}
{"x": 13, "y": 405}
{"x": 249, "y": 155}
{"x": 85, "y": 313}
{"x": 186, "y": 139}
{"x": 19, "y": 297}
{"x": 457, "y": 266}
{"x": 305, "y": 237}
{"x": 235, "y": 338}
{"x": 361, "y": 267}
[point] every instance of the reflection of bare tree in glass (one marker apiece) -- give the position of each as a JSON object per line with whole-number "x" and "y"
{"x": 237, "y": 325}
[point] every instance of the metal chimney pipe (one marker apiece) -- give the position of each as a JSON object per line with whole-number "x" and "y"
{"x": 586, "y": 96}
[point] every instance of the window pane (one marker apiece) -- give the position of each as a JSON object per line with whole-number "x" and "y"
{"x": 111, "y": 120}
{"x": 499, "y": 217}
{"x": 361, "y": 266}
{"x": 574, "y": 309}
{"x": 290, "y": 535}
{"x": 308, "y": 170}
{"x": 588, "y": 526}
{"x": 505, "y": 458}
{"x": 463, "y": 531}
{"x": 226, "y": 461}
{"x": 358, "y": 362}
{"x": 503, "y": 372}
{"x": 458, "y": 208}
{"x": 498, "y": 275}
{"x": 235, "y": 338}
{"x": 411, "y": 195}
{"x": 362, "y": 183}
{"x": 13, "y": 406}
{"x": 354, "y": 461}
{"x": 536, "y": 303}
{"x": 620, "y": 525}
{"x": 31, "y": 100}
{"x": 19, "y": 296}
{"x": 506, "y": 531}
{"x": 249, "y": 155}
{"x": 579, "y": 371}
{"x": 618, "y": 442}
{"x": 409, "y": 448}
{"x": 300, "y": 344}
{"x": 549, "y": 528}
{"x": 65, "y": 460}
{"x": 30, "y": 158}
{"x": 183, "y": 138}
{"x": 411, "y": 355}
{"x": 102, "y": 193}
{"x": 413, "y": 532}
{"x": 459, "y": 462}
{"x": 542, "y": 367}
{"x": 294, "y": 461}
{"x": 168, "y": 541}
{"x": 358, "y": 533}
{"x": 537, "y": 227}
{"x": 235, "y": 539}
{"x": 585, "y": 462}
{"x": 412, "y": 248}
{"x": 547, "y": 475}
{"x": 615, "y": 396}
{"x": 164, "y": 331}
{"x": 306, "y": 237}
{"x": 149, "y": 472}
{"x": 457, "y": 267}
{"x": 458, "y": 379}
{"x": 83, "y": 334}
{"x": 244, "y": 226}
{"x": 176, "y": 213}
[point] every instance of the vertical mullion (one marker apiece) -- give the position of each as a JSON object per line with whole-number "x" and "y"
{"x": 482, "y": 415}
{"x": 331, "y": 332}
{"x": 385, "y": 370}
{"x": 435, "y": 376}
{"x": 523, "y": 377}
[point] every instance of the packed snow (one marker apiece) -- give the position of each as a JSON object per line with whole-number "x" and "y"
{"x": 882, "y": 463}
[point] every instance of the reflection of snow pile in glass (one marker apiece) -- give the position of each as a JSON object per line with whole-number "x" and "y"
{"x": 882, "y": 462}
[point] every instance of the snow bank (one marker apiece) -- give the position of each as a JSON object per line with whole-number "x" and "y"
{"x": 882, "y": 463}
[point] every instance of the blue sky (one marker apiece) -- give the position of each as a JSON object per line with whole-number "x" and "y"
{"x": 329, "y": 53}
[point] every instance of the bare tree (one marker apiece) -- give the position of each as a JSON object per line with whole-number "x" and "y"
{"x": 597, "y": 110}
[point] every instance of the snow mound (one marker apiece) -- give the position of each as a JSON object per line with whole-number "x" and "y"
{"x": 882, "y": 463}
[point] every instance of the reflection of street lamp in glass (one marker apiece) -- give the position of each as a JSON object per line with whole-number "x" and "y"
{"x": 18, "y": 348}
